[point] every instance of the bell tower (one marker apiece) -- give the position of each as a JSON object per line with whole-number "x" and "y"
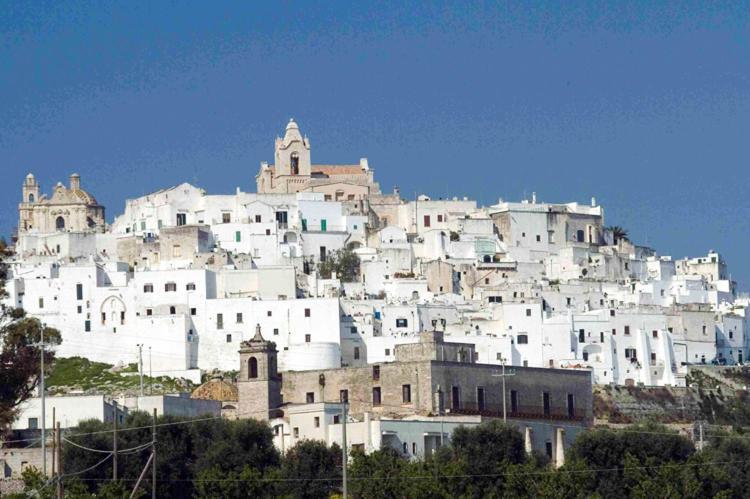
{"x": 30, "y": 195}
{"x": 292, "y": 155}
{"x": 259, "y": 384}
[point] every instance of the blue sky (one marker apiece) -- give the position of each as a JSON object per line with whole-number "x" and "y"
{"x": 645, "y": 106}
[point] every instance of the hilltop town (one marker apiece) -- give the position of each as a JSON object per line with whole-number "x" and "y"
{"x": 320, "y": 291}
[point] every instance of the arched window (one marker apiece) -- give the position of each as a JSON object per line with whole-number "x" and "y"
{"x": 60, "y": 223}
{"x": 252, "y": 367}
{"x": 172, "y": 310}
{"x": 295, "y": 163}
{"x": 31, "y": 197}
{"x": 487, "y": 259}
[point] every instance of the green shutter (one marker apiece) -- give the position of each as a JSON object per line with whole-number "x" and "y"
{"x": 237, "y": 236}
{"x": 323, "y": 225}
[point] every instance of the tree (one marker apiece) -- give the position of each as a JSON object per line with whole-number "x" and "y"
{"x": 618, "y": 233}
{"x": 311, "y": 469}
{"x": 344, "y": 262}
{"x": 21, "y": 355}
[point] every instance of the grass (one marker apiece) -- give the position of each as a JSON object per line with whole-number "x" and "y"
{"x": 79, "y": 374}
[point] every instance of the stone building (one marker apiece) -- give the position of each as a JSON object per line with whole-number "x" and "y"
{"x": 69, "y": 209}
{"x": 427, "y": 378}
{"x": 293, "y": 171}
{"x": 259, "y": 383}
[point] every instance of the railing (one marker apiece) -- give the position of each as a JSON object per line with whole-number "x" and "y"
{"x": 554, "y": 413}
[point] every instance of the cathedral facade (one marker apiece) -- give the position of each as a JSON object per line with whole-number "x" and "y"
{"x": 293, "y": 172}
{"x": 69, "y": 209}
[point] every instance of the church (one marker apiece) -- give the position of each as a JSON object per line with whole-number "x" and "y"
{"x": 69, "y": 209}
{"x": 294, "y": 172}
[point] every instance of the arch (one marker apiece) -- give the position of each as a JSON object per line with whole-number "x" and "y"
{"x": 60, "y": 223}
{"x": 114, "y": 308}
{"x": 31, "y": 197}
{"x": 252, "y": 368}
{"x": 294, "y": 163}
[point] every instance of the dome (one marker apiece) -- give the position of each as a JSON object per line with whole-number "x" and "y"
{"x": 216, "y": 389}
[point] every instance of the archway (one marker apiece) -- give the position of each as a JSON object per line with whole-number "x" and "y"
{"x": 60, "y": 223}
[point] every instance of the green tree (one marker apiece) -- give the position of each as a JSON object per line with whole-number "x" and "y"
{"x": 344, "y": 262}
{"x": 311, "y": 469}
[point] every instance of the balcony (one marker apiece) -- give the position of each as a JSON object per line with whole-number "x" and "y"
{"x": 529, "y": 412}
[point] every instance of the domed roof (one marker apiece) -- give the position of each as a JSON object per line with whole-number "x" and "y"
{"x": 64, "y": 195}
{"x": 216, "y": 389}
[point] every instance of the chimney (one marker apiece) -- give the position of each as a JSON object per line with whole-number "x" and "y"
{"x": 75, "y": 182}
{"x": 533, "y": 198}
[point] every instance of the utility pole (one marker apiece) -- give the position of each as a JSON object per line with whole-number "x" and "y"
{"x": 59, "y": 462}
{"x": 441, "y": 413}
{"x": 54, "y": 440}
{"x": 504, "y": 375}
{"x": 44, "y": 416}
{"x": 150, "y": 374}
{"x": 140, "y": 364}
{"x": 114, "y": 442}
{"x": 344, "y": 453}
{"x": 153, "y": 461}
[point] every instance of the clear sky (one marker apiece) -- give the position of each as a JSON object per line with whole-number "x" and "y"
{"x": 645, "y": 106}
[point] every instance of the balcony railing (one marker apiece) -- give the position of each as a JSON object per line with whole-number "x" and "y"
{"x": 555, "y": 413}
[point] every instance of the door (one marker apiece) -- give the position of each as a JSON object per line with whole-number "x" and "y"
{"x": 546, "y": 404}
{"x": 480, "y": 399}
{"x": 323, "y": 225}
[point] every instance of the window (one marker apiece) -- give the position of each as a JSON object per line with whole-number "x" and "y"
{"x": 376, "y": 395}
{"x": 601, "y": 337}
{"x": 581, "y": 336}
{"x": 495, "y": 299}
{"x": 704, "y": 327}
{"x": 176, "y": 251}
{"x": 316, "y": 422}
{"x": 655, "y": 333}
{"x": 172, "y": 310}
{"x": 336, "y": 419}
{"x": 310, "y": 397}
{"x": 296, "y": 432}
{"x": 579, "y": 236}
{"x": 322, "y": 253}
{"x": 181, "y": 218}
{"x": 585, "y": 356}
{"x": 528, "y": 312}
{"x": 376, "y": 372}
{"x": 538, "y": 238}
{"x": 80, "y": 309}
{"x": 170, "y": 286}
{"x": 226, "y": 218}
{"x": 33, "y": 423}
{"x": 193, "y": 311}
{"x": 406, "y": 394}
{"x": 307, "y": 338}
{"x": 522, "y": 339}
{"x": 269, "y": 313}
{"x": 426, "y": 220}
{"x": 307, "y": 312}
{"x": 387, "y": 352}
{"x": 219, "y": 321}
{"x": 414, "y": 448}
{"x": 631, "y": 354}
{"x": 239, "y": 318}
{"x": 252, "y": 367}
{"x": 612, "y": 312}
{"x": 546, "y": 404}
{"x": 258, "y": 219}
{"x": 104, "y": 318}
{"x": 41, "y": 303}
{"x": 653, "y": 358}
{"x": 627, "y": 330}
{"x": 455, "y": 397}
{"x": 149, "y": 312}
{"x": 79, "y": 291}
{"x": 148, "y": 288}
{"x": 229, "y": 338}
{"x": 344, "y": 395}
{"x": 480, "y": 398}
{"x": 87, "y": 326}
{"x": 190, "y": 286}
{"x": 323, "y": 225}
{"x": 356, "y": 353}
{"x": 513, "y": 401}
{"x": 571, "y": 406}
{"x": 353, "y": 330}
{"x": 122, "y": 317}
{"x": 276, "y": 331}
{"x": 294, "y": 163}
{"x": 402, "y": 323}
